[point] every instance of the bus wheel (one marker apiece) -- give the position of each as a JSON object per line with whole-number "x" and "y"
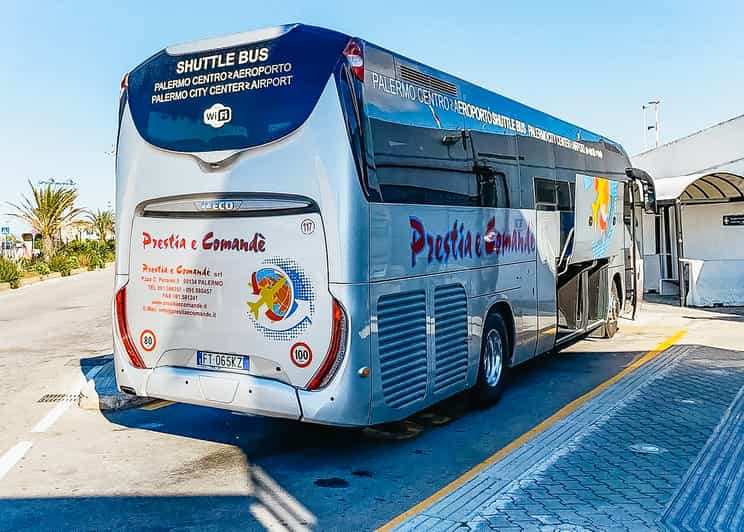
{"x": 613, "y": 312}
{"x": 493, "y": 362}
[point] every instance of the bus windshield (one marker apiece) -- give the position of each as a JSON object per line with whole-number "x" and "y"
{"x": 232, "y": 98}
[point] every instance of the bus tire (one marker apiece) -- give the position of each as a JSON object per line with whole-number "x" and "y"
{"x": 493, "y": 365}
{"x": 613, "y": 311}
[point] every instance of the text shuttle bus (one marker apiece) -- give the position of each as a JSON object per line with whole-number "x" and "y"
{"x": 312, "y": 227}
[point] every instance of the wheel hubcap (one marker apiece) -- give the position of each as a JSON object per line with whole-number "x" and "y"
{"x": 492, "y": 358}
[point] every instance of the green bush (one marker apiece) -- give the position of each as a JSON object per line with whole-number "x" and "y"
{"x": 90, "y": 254}
{"x": 10, "y": 272}
{"x": 42, "y": 268}
{"x": 25, "y": 265}
{"x": 95, "y": 260}
{"x": 63, "y": 264}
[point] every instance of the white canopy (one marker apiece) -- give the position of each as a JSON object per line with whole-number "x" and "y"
{"x": 700, "y": 187}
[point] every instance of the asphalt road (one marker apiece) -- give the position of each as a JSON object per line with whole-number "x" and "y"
{"x": 45, "y": 329}
{"x": 186, "y": 467}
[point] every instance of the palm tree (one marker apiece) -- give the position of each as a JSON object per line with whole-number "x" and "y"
{"x": 48, "y": 212}
{"x": 102, "y": 223}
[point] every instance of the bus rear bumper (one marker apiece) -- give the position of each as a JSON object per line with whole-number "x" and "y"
{"x": 228, "y": 391}
{"x": 240, "y": 393}
{"x": 343, "y": 403}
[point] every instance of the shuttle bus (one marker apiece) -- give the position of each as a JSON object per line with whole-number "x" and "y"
{"x": 312, "y": 227}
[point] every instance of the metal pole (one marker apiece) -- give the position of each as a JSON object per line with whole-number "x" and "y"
{"x": 680, "y": 253}
{"x": 632, "y": 188}
{"x": 656, "y": 123}
{"x": 645, "y": 130}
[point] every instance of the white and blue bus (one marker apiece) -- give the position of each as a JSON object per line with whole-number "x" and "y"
{"x": 312, "y": 227}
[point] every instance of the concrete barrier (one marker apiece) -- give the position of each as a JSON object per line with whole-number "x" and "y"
{"x": 25, "y": 281}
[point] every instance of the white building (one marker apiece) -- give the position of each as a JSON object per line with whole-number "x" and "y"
{"x": 699, "y": 228}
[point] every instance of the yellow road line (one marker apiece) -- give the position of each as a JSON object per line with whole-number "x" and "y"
{"x": 530, "y": 434}
{"x": 157, "y": 404}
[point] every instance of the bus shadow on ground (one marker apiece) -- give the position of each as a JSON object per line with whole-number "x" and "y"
{"x": 300, "y": 476}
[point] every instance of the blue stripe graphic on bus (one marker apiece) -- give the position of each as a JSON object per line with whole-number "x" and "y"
{"x": 471, "y": 107}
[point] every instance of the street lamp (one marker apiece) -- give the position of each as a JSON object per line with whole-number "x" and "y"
{"x": 655, "y": 127}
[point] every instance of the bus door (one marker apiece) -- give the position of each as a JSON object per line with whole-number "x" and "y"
{"x": 633, "y": 218}
{"x": 548, "y": 251}
{"x": 639, "y": 197}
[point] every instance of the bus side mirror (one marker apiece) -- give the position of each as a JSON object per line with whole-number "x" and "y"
{"x": 649, "y": 200}
{"x": 647, "y": 187}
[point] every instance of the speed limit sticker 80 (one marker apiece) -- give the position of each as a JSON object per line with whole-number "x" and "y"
{"x": 148, "y": 341}
{"x": 301, "y": 355}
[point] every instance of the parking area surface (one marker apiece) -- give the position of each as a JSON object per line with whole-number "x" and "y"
{"x": 170, "y": 466}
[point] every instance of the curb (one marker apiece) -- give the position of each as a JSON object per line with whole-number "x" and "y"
{"x": 102, "y": 394}
{"x": 34, "y": 279}
{"x": 90, "y": 399}
{"x": 25, "y": 281}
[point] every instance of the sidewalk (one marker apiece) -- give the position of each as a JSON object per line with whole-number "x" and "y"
{"x": 662, "y": 448}
{"x": 659, "y": 449}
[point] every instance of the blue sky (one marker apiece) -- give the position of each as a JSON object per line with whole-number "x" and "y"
{"x": 591, "y": 63}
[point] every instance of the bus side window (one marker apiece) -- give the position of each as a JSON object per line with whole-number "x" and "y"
{"x": 564, "y": 196}
{"x": 545, "y": 195}
{"x": 423, "y": 166}
{"x": 492, "y": 190}
{"x": 427, "y": 186}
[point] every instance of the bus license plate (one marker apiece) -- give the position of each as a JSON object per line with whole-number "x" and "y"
{"x": 221, "y": 360}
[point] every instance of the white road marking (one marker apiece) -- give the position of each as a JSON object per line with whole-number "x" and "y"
{"x": 55, "y": 413}
{"x": 265, "y": 517}
{"x": 11, "y": 458}
{"x": 275, "y": 491}
{"x": 19, "y": 450}
{"x": 276, "y": 509}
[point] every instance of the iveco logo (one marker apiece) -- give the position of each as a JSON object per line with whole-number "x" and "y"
{"x": 218, "y": 115}
{"x": 218, "y": 205}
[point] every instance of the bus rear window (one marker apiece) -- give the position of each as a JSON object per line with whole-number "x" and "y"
{"x": 232, "y": 98}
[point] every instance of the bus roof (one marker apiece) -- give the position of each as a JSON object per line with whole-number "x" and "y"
{"x": 481, "y": 99}
{"x": 487, "y": 99}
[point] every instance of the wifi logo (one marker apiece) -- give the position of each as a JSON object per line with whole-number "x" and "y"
{"x": 218, "y": 115}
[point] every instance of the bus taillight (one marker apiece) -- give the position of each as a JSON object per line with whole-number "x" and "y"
{"x": 336, "y": 351}
{"x": 355, "y": 57}
{"x": 121, "y": 322}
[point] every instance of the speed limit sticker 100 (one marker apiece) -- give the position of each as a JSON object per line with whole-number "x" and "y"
{"x": 301, "y": 355}
{"x": 148, "y": 341}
